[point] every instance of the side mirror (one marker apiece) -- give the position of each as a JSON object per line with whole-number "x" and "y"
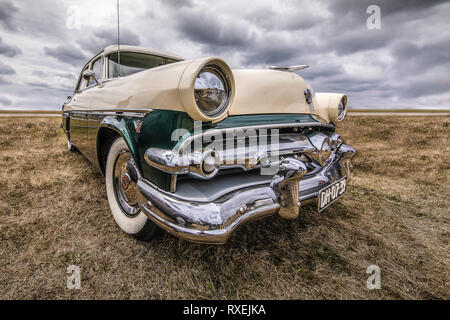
{"x": 89, "y": 75}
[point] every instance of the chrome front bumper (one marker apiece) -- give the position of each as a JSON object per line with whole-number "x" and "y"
{"x": 215, "y": 221}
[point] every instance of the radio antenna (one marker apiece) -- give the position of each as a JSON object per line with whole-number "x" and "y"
{"x": 118, "y": 39}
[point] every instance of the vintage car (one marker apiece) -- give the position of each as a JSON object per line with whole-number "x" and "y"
{"x": 197, "y": 149}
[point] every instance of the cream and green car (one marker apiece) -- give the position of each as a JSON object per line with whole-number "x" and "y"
{"x": 197, "y": 149}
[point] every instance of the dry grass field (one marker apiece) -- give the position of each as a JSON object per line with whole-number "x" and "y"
{"x": 54, "y": 213}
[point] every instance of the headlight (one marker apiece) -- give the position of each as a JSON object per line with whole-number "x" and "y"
{"x": 207, "y": 89}
{"x": 211, "y": 90}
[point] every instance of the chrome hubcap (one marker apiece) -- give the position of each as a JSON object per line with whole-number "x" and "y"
{"x": 125, "y": 183}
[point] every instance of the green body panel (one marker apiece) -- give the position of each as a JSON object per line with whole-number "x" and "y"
{"x": 156, "y": 131}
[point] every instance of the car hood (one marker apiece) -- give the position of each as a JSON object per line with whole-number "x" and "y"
{"x": 269, "y": 91}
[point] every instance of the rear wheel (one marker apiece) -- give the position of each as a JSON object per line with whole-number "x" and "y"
{"x": 121, "y": 187}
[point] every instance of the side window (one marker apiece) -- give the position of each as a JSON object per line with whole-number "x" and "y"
{"x": 82, "y": 83}
{"x": 97, "y": 67}
{"x": 132, "y": 62}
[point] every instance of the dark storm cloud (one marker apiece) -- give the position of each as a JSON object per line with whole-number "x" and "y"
{"x": 320, "y": 69}
{"x": 422, "y": 57}
{"x": 360, "y": 40}
{"x": 5, "y": 69}
{"x": 8, "y": 50}
{"x": 39, "y": 84}
{"x": 337, "y": 82}
{"x": 44, "y": 18}
{"x": 7, "y": 11}
{"x": 39, "y": 73}
{"x": 297, "y": 19}
{"x": 346, "y": 32}
{"x": 178, "y": 3}
{"x": 425, "y": 86}
{"x": 102, "y": 37}
{"x": 296, "y": 22}
{"x": 272, "y": 50}
{"x": 201, "y": 27}
{"x": 388, "y": 7}
{"x": 67, "y": 54}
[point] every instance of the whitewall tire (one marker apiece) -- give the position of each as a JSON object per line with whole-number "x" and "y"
{"x": 121, "y": 188}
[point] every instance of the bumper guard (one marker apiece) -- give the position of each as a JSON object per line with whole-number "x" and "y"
{"x": 214, "y": 222}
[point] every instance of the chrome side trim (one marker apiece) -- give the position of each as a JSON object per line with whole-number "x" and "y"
{"x": 115, "y": 111}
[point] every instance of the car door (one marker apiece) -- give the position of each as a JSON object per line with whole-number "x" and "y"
{"x": 93, "y": 116}
{"x": 79, "y": 106}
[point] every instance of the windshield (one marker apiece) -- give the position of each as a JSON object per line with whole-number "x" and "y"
{"x": 132, "y": 62}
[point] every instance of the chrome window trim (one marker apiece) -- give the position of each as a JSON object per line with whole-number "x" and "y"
{"x": 89, "y": 66}
{"x": 114, "y": 112}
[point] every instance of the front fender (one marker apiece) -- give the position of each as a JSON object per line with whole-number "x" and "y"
{"x": 142, "y": 132}
{"x": 125, "y": 127}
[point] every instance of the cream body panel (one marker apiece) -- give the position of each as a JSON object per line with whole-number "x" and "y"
{"x": 328, "y": 104}
{"x": 156, "y": 88}
{"x": 322, "y": 100}
{"x": 268, "y": 91}
{"x": 170, "y": 87}
{"x": 80, "y": 102}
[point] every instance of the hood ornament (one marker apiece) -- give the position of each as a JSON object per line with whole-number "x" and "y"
{"x": 290, "y": 68}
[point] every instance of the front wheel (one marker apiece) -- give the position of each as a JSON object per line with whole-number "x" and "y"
{"x": 121, "y": 187}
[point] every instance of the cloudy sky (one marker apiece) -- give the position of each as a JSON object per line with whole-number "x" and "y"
{"x": 405, "y": 63}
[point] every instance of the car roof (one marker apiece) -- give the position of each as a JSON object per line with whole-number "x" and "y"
{"x": 114, "y": 48}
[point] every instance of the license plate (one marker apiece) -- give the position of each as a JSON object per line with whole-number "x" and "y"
{"x": 331, "y": 193}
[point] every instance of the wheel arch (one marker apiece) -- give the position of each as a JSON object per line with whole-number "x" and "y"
{"x": 109, "y": 130}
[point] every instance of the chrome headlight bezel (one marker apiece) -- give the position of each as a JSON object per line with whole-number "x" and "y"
{"x": 217, "y": 75}
{"x": 186, "y": 89}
